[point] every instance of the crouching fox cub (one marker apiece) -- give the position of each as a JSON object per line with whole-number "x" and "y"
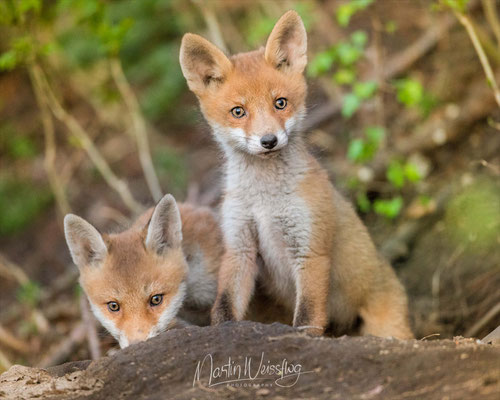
{"x": 140, "y": 280}
{"x": 279, "y": 205}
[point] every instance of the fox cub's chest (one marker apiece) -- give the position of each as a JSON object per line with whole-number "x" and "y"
{"x": 283, "y": 229}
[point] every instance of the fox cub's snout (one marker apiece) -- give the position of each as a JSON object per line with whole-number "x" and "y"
{"x": 253, "y": 101}
{"x": 135, "y": 280}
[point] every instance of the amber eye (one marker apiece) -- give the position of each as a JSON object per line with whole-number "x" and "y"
{"x": 113, "y": 306}
{"x": 156, "y": 300}
{"x": 238, "y": 112}
{"x": 280, "y": 103}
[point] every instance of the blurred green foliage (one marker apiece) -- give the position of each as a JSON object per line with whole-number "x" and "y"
{"x": 347, "y": 10}
{"x": 20, "y": 202}
{"x": 145, "y": 34}
{"x": 16, "y": 145}
{"x": 473, "y": 215}
{"x": 362, "y": 150}
{"x": 29, "y": 294}
{"x": 172, "y": 169}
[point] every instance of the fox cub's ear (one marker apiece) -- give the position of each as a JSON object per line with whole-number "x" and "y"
{"x": 165, "y": 228}
{"x": 202, "y": 63}
{"x": 85, "y": 243}
{"x": 286, "y": 47}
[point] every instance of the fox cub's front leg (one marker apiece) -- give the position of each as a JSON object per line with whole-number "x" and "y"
{"x": 313, "y": 285}
{"x": 239, "y": 266}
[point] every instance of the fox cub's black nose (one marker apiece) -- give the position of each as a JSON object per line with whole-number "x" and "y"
{"x": 269, "y": 141}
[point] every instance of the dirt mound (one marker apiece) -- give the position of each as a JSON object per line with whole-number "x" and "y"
{"x": 269, "y": 361}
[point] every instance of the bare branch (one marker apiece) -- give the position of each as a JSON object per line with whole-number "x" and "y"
{"x": 490, "y": 11}
{"x": 214, "y": 30}
{"x": 140, "y": 130}
{"x": 50, "y": 146}
{"x": 77, "y": 130}
{"x": 9, "y": 340}
{"x": 66, "y": 347}
{"x": 490, "y": 76}
{"x": 90, "y": 324}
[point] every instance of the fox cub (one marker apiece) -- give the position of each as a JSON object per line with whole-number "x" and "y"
{"x": 140, "y": 280}
{"x": 318, "y": 259}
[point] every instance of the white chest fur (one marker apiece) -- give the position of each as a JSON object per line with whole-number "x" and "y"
{"x": 267, "y": 193}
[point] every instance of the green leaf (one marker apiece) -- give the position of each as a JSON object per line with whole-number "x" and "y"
{"x": 457, "y": 5}
{"x": 8, "y": 60}
{"x": 363, "y": 203}
{"x": 29, "y": 293}
{"x": 388, "y": 208}
{"x": 321, "y": 63}
{"x": 359, "y": 39}
{"x": 411, "y": 172}
{"x": 344, "y": 14}
{"x": 21, "y": 147}
{"x": 410, "y": 92}
{"x": 23, "y": 6}
{"x": 365, "y": 90}
{"x": 350, "y": 105}
{"x": 347, "y": 10}
{"x": 347, "y": 53}
{"x": 344, "y": 76}
{"x": 396, "y": 174}
{"x": 375, "y": 134}
{"x": 355, "y": 150}
{"x": 391, "y": 27}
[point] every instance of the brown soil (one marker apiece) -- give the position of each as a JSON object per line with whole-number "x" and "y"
{"x": 341, "y": 368}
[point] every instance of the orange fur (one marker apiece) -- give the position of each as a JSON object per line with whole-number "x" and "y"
{"x": 130, "y": 273}
{"x": 319, "y": 261}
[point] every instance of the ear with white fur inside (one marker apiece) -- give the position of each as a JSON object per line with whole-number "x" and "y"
{"x": 286, "y": 47}
{"x": 165, "y": 228}
{"x": 202, "y": 63}
{"x": 85, "y": 243}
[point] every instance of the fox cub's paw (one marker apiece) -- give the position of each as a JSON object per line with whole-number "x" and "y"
{"x": 222, "y": 310}
{"x": 312, "y": 330}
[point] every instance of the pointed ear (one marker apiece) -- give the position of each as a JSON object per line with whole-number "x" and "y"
{"x": 85, "y": 243}
{"x": 165, "y": 227}
{"x": 286, "y": 47}
{"x": 202, "y": 63}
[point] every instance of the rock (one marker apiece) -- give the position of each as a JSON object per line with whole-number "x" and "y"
{"x": 178, "y": 364}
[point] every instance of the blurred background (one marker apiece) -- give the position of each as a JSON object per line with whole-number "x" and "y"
{"x": 96, "y": 119}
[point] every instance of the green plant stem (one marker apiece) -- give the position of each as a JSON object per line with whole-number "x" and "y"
{"x": 465, "y": 21}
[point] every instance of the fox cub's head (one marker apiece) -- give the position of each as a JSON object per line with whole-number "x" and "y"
{"x": 253, "y": 101}
{"x": 135, "y": 280}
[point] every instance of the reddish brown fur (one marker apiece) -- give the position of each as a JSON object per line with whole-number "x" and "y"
{"x": 254, "y": 85}
{"x": 340, "y": 251}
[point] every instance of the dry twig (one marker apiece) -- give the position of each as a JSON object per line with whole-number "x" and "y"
{"x": 66, "y": 347}
{"x": 476, "y": 328}
{"x": 140, "y": 130}
{"x": 490, "y": 76}
{"x": 9, "y": 340}
{"x": 77, "y": 130}
{"x": 90, "y": 324}
{"x": 50, "y": 147}
{"x": 490, "y": 11}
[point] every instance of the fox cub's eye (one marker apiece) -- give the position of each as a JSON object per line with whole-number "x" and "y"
{"x": 238, "y": 112}
{"x": 113, "y": 306}
{"x": 280, "y": 103}
{"x": 156, "y": 300}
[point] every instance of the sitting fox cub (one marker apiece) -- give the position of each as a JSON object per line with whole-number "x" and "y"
{"x": 319, "y": 260}
{"x": 139, "y": 280}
